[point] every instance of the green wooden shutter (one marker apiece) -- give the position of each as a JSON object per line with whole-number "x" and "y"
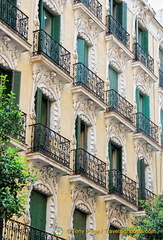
{"x": 136, "y": 29}
{"x": 144, "y": 42}
{"x": 110, "y": 155}
{"x": 78, "y": 131}
{"x": 111, "y": 7}
{"x": 119, "y": 159}
{"x": 146, "y": 106}
{"x": 86, "y": 55}
{"x": 113, "y": 77}
{"x": 41, "y": 14}
{"x": 81, "y": 50}
{"x": 16, "y": 81}
{"x": 38, "y": 105}
{"x": 56, "y": 26}
{"x": 14, "y": 2}
{"x": 161, "y": 115}
{"x": 121, "y": 14}
{"x": 161, "y": 59}
{"x": 141, "y": 177}
{"x": 138, "y": 99}
{"x": 79, "y": 223}
{"x": 38, "y": 204}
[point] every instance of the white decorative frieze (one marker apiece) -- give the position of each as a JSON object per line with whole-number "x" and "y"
{"x": 9, "y": 53}
{"x": 142, "y": 81}
{"x": 117, "y": 215}
{"x": 85, "y": 29}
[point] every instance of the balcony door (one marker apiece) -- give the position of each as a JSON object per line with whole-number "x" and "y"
{"x": 115, "y": 175}
{"x": 51, "y": 25}
{"x": 143, "y": 106}
{"x": 81, "y": 130}
{"x": 38, "y": 203}
{"x": 119, "y": 12}
{"x": 113, "y": 97}
{"x": 82, "y": 71}
{"x": 113, "y": 235}
{"x": 79, "y": 223}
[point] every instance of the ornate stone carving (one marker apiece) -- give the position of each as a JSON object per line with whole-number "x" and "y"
{"x": 116, "y": 215}
{"x": 51, "y": 87}
{"x": 48, "y": 175}
{"x": 160, "y": 99}
{"x": 144, "y": 14}
{"x": 86, "y": 30}
{"x": 9, "y": 53}
{"x": 142, "y": 81}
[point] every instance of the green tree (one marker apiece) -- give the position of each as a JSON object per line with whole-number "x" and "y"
{"x": 14, "y": 174}
{"x": 149, "y": 226}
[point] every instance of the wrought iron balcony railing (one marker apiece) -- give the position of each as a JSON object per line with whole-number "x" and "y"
{"x": 14, "y": 18}
{"x": 115, "y": 28}
{"x": 44, "y": 44}
{"x": 123, "y": 186}
{"x": 145, "y": 194}
{"x": 145, "y": 125}
{"x": 11, "y": 229}
{"x": 21, "y": 135}
{"x": 117, "y": 103}
{"x": 141, "y": 55}
{"x": 51, "y": 144}
{"x": 89, "y": 166}
{"x": 93, "y": 5}
{"x": 161, "y": 78}
{"x": 83, "y": 76}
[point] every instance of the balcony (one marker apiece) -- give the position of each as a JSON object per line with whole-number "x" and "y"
{"x": 89, "y": 84}
{"x": 51, "y": 145}
{"x": 119, "y": 109}
{"x": 146, "y": 131}
{"x": 12, "y": 229}
{"x": 14, "y": 18}
{"x": 115, "y": 28}
{"x": 45, "y": 45}
{"x": 94, "y": 7}
{"x": 160, "y": 78}
{"x": 90, "y": 167}
{"x": 145, "y": 194}
{"x": 141, "y": 55}
{"x": 144, "y": 125}
{"x": 122, "y": 189}
{"x": 19, "y": 139}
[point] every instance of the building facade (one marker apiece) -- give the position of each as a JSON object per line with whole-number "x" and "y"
{"x": 88, "y": 76}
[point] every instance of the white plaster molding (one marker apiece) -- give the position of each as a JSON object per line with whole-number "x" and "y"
{"x": 9, "y": 53}
{"x": 85, "y": 109}
{"x": 51, "y": 87}
{"x": 85, "y": 29}
{"x": 84, "y": 199}
{"x": 117, "y": 215}
{"x": 160, "y": 99}
{"x": 142, "y": 81}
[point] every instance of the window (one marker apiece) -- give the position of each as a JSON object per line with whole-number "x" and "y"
{"x": 161, "y": 59}
{"x": 115, "y": 156}
{"x": 113, "y": 233}
{"x": 142, "y": 37}
{"x": 82, "y": 50}
{"x": 81, "y": 134}
{"x": 13, "y": 83}
{"x": 143, "y": 103}
{"x": 49, "y": 23}
{"x": 79, "y": 223}
{"x": 42, "y": 106}
{"x": 119, "y": 12}
{"x": 38, "y": 204}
